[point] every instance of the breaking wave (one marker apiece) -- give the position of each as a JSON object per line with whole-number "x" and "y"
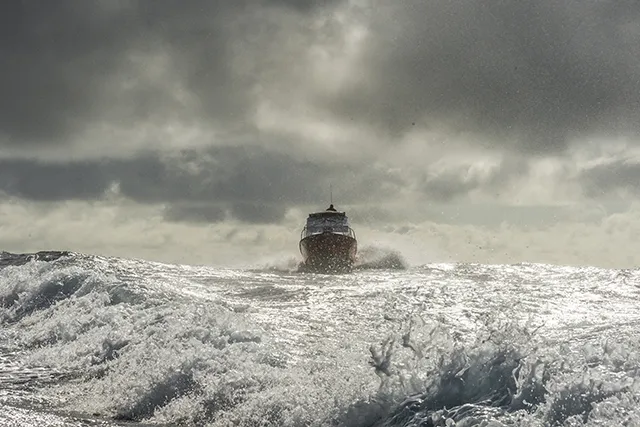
{"x": 377, "y": 258}
{"x": 506, "y": 380}
{"x": 8, "y": 258}
{"x": 146, "y": 342}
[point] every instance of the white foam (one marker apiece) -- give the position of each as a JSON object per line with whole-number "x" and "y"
{"x": 196, "y": 345}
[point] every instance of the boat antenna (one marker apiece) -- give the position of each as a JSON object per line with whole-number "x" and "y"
{"x": 331, "y": 194}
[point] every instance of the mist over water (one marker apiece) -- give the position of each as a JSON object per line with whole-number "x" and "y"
{"x": 105, "y": 341}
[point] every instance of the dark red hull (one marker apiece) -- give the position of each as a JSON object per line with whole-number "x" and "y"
{"x": 328, "y": 252}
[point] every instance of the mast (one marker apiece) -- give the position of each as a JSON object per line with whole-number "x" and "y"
{"x": 331, "y": 208}
{"x": 331, "y": 194}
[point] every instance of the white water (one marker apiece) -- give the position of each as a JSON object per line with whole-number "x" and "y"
{"x": 104, "y": 341}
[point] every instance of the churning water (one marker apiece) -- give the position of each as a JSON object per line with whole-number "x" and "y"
{"x": 89, "y": 340}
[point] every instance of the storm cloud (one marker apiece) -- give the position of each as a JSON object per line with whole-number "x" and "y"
{"x": 197, "y": 113}
{"x": 527, "y": 76}
{"x": 450, "y": 183}
{"x": 68, "y": 64}
{"x": 34, "y": 180}
{"x": 248, "y": 183}
{"x": 614, "y": 178}
{"x": 530, "y": 75}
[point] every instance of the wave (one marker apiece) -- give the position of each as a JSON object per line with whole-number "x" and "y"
{"x": 8, "y": 258}
{"x": 380, "y": 258}
{"x": 126, "y": 343}
{"x": 133, "y": 350}
{"x": 507, "y": 378}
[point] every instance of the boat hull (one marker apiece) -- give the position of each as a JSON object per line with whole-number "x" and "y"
{"x": 328, "y": 252}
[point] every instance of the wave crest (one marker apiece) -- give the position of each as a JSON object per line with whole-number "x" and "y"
{"x": 379, "y": 258}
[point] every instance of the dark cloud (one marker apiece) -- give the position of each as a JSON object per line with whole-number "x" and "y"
{"x": 68, "y": 63}
{"x": 531, "y": 74}
{"x": 233, "y": 174}
{"x": 248, "y": 183}
{"x": 57, "y": 59}
{"x": 606, "y": 180}
{"x": 457, "y": 181}
{"x": 27, "y": 179}
{"x": 251, "y": 174}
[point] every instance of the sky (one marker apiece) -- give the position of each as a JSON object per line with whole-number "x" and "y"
{"x": 205, "y": 131}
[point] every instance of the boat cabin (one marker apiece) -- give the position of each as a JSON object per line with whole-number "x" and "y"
{"x": 329, "y": 221}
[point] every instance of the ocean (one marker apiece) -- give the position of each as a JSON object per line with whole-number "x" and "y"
{"x": 98, "y": 341}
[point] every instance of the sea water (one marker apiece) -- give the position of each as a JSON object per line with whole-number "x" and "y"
{"x": 90, "y": 340}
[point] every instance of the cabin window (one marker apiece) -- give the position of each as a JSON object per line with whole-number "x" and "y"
{"x": 329, "y": 224}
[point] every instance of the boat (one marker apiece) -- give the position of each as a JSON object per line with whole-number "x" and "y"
{"x": 327, "y": 242}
